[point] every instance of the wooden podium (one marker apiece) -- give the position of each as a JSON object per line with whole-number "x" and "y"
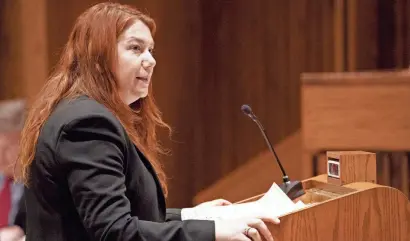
{"x": 346, "y": 204}
{"x": 339, "y": 111}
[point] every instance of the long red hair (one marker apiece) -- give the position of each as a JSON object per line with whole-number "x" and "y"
{"x": 86, "y": 68}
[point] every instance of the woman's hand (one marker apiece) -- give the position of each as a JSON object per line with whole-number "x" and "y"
{"x": 11, "y": 233}
{"x": 243, "y": 229}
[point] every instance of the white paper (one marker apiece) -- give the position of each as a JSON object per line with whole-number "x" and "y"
{"x": 272, "y": 204}
{"x": 277, "y": 202}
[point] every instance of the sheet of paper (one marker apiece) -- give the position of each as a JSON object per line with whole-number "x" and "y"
{"x": 274, "y": 203}
{"x": 277, "y": 202}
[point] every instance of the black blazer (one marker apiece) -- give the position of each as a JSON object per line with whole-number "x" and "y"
{"x": 89, "y": 182}
{"x": 20, "y": 219}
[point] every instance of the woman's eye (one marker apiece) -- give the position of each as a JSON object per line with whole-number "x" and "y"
{"x": 151, "y": 51}
{"x": 136, "y": 48}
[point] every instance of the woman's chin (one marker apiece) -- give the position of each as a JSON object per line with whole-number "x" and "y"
{"x": 143, "y": 94}
{"x": 140, "y": 95}
{"x": 130, "y": 99}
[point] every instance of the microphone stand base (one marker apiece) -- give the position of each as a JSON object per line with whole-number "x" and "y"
{"x": 293, "y": 189}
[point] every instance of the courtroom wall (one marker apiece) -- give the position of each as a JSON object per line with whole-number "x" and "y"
{"x": 212, "y": 57}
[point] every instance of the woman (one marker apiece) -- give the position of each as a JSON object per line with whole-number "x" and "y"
{"x": 89, "y": 149}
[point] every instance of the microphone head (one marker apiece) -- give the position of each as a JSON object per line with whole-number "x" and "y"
{"x": 247, "y": 110}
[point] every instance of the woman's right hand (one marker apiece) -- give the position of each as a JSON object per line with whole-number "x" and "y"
{"x": 12, "y": 233}
{"x": 243, "y": 230}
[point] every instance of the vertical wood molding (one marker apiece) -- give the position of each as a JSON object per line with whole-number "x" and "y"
{"x": 339, "y": 35}
{"x": 351, "y": 15}
{"x": 10, "y": 51}
{"x": 34, "y": 66}
{"x": 402, "y": 34}
{"x": 407, "y": 29}
{"x": 405, "y": 178}
{"x": 400, "y": 38}
{"x": 363, "y": 36}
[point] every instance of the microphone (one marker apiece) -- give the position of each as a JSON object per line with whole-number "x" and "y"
{"x": 293, "y": 189}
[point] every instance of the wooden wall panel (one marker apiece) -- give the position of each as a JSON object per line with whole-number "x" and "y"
{"x": 377, "y": 34}
{"x": 213, "y": 56}
{"x": 34, "y": 47}
{"x": 23, "y": 48}
{"x": 361, "y": 30}
{"x": 10, "y": 53}
{"x": 381, "y": 31}
{"x": 406, "y": 29}
{"x": 254, "y": 54}
{"x": 401, "y": 13}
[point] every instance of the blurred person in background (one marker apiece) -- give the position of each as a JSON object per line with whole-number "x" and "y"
{"x": 12, "y": 208}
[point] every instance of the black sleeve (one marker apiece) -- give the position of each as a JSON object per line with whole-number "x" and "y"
{"x": 92, "y": 150}
{"x": 173, "y": 214}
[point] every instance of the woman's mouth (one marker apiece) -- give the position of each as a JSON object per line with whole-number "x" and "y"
{"x": 143, "y": 79}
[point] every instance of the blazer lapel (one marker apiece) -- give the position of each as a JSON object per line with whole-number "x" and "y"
{"x": 148, "y": 165}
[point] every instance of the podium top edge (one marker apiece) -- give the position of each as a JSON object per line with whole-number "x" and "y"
{"x": 337, "y": 154}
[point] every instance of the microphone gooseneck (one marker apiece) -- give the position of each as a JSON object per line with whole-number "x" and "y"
{"x": 248, "y": 111}
{"x": 293, "y": 189}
